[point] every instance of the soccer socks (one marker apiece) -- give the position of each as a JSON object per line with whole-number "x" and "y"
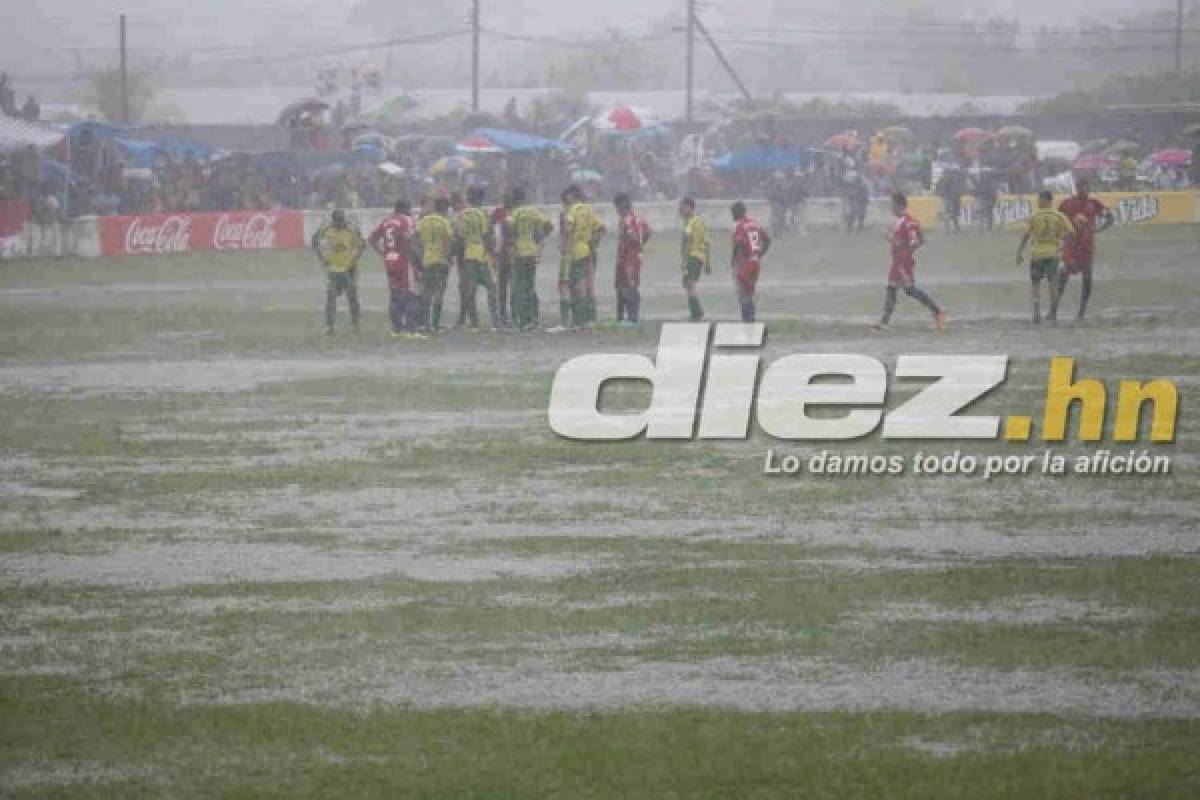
{"x": 922, "y": 298}
{"x": 398, "y": 309}
{"x": 633, "y": 304}
{"x": 747, "y": 310}
{"x": 352, "y": 299}
{"x": 620, "y": 305}
{"x": 1085, "y": 295}
{"x": 696, "y": 310}
{"x": 889, "y": 304}
{"x": 330, "y": 307}
{"x": 564, "y": 311}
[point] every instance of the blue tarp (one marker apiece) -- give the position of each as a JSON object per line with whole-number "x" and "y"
{"x": 760, "y": 159}
{"x": 517, "y": 142}
{"x": 139, "y": 147}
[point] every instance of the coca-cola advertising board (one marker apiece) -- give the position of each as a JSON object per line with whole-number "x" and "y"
{"x": 181, "y": 233}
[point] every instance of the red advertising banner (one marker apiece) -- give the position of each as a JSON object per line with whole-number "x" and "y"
{"x": 182, "y": 233}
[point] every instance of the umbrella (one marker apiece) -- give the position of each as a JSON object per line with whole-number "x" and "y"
{"x": 455, "y": 164}
{"x": 586, "y": 176}
{"x": 1015, "y": 133}
{"x": 1095, "y": 161}
{"x": 897, "y": 133}
{"x": 393, "y": 107}
{"x": 759, "y": 159}
{"x": 971, "y": 135}
{"x": 1172, "y": 157}
{"x": 842, "y": 141}
{"x": 499, "y": 140}
{"x": 478, "y": 144}
{"x": 308, "y": 105}
{"x": 626, "y": 119}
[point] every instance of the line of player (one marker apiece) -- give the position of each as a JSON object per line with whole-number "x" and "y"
{"x": 499, "y": 252}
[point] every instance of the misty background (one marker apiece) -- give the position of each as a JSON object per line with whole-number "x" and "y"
{"x": 1009, "y": 50}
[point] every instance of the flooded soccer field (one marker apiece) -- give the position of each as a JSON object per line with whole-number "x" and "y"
{"x": 241, "y": 558}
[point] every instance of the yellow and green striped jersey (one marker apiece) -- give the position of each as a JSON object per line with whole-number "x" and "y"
{"x": 472, "y": 230}
{"x": 527, "y": 223}
{"x": 437, "y": 239}
{"x": 695, "y": 239}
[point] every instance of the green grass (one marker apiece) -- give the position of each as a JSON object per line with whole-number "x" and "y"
{"x": 239, "y": 558}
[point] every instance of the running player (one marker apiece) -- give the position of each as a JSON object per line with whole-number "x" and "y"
{"x": 1089, "y": 217}
{"x": 338, "y": 246}
{"x": 393, "y": 241}
{"x": 633, "y": 233}
{"x": 435, "y": 236}
{"x": 526, "y": 228}
{"x": 1047, "y": 229}
{"x": 905, "y": 237}
{"x": 695, "y": 255}
{"x": 750, "y": 243}
{"x": 475, "y": 243}
{"x": 584, "y": 230}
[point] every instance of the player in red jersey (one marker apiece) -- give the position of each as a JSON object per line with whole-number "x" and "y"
{"x": 905, "y": 237}
{"x": 1089, "y": 216}
{"x": 633, "y": 233}
{"x": 750, "y": 243}
{"x": 503, "y": 262}
{"x": 393, "y": 241}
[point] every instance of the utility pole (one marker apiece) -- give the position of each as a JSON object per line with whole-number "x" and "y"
{"x": 474, "y": 55}
{"x": 1178, "y": 37}
{"x": 737, "y": 81}
{"x": 691, "y": 57}
{"x": 124, "y": 77}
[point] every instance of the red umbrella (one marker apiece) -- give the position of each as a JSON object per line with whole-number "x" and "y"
{"x": 1095, "y": 161}
{"x": 625, "y": 119}
{"x": 1172, "y": 157}
{"x": 478, "y": 144}
{"x": 842, "y": 141}
{"x": 308, "y": 105}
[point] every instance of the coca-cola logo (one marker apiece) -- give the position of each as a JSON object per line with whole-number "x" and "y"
{"x": 255, "y": 232}
{"x": 172, "y": 235}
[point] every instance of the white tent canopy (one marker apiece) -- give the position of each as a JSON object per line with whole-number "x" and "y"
{"x": 16, "y": 134}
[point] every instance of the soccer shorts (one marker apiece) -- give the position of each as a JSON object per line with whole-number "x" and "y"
{"x": 1040, "y": 268}
{"x": 578, "y": 274}
{"x": 564, "y": 271}
{"x": 902, "y": 275}
{"x": 692, "y": 270}
{"x": 1077, "y": 263}
{"x": 746, "y": 277}
{"x": 401, "y": 277}
{"x": 341, "y": 281}
{"x": 628, "y": 275}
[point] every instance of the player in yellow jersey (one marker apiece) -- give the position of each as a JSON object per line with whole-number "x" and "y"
{"x": 583, "y": 232}
{"x": 477, "y": 245}
{"x": 435, "y": 238}
{"x": 695, "y": 255}
{"x": 1047, "y": 229}
{"x": 526, "y": 227}
{"x": 338, "y": 246}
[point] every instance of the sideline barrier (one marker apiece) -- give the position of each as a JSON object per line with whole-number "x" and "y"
{"x": 1129, "y": 208}
{"x": 92, "y": 237}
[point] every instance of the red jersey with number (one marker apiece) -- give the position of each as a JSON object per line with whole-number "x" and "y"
{"x": 393, "y": 237}
{"x": 906, "y": 238}
{"x": 749, "y": 241}
{"x": 635, "y": 232}
{"x": 1083, "y": 243}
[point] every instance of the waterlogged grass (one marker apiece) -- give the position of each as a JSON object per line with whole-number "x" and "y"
{"x": 289, "y": 750}
{"x": 239, "y": 558}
